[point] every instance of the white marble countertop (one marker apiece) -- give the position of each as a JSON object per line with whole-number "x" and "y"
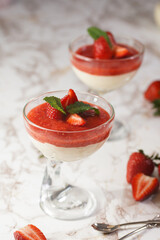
{"x": 34, "y": 38}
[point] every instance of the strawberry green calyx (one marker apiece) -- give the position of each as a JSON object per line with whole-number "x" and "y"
{"x": 156, "y": 107}
{"x": 95, "y": 33}
{"x": 55, "y": 103}
{"x": 155, "y": 157}
{"x": 80, "y": 107}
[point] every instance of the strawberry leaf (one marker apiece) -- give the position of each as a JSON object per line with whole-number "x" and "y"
{"x": 55, "y": 103}
{"x": 95, "y": 33}
{"x": 80, "y": 107}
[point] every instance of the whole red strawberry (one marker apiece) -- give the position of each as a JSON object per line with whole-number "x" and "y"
{"x": 143, "y": 186}
{"x": 139, "y": 163}
{"x": 102, "y": 49}
{"x": 153, "y": 91}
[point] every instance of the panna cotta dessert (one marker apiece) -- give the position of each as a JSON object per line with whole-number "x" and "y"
{"x": 104, "y": 62}
{"x": 66, "y": 128}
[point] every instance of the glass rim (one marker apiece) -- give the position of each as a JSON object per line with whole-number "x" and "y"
{"x": 106, "y": 60}
{"x": 58, "y": 131}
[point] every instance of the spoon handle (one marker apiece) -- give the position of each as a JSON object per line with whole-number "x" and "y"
{"x": 139, "y": 222}
{"x": 138, "y": 230}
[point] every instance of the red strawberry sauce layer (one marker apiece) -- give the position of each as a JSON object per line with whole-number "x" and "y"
{"x": 106, "y": 67}
{"x": 75, "y": 135}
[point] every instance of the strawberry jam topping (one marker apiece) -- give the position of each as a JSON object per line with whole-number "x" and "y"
{"x": 75, "y": 135}
{"x": 106, "y": 67}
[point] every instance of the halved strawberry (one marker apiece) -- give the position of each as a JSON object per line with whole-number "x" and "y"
{"x": 143, "y": 186}
{"x": 53, "y": 113}
{"x": 75, "y": 119}
{"x": 101, "y": 49}
{"x": 29, "y": 232}
{"x": 65, "y": 101}
{"x": 120, "y": 51}
{"x": 72, "y": 96}
{"x": 111, "y": 37}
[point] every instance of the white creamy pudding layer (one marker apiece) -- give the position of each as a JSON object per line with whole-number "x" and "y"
{"x": 103, "y": 83}
{"x": 66, "y": 154}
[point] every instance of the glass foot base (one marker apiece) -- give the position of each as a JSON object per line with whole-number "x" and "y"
{"x": 69, "y": 203}
{"x": 119, "y": 131}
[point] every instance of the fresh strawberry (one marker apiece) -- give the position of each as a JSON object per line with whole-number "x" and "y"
{"x": 65, "y": 101}
{"x": 72, "y": 96}
{"x": 143, "y": 186}
{"x": 153, "y": 91}
{"x": 101, "y": 49}
{"x": 75, "y": 119}
{"x": 29, "y": 232}
{"x": 53, "y": 113}
{"x": 139, "y": 162}
{"x": 159, "y": 169}
{"x": 111, "y": 37}
{"x": 120, "y": 51}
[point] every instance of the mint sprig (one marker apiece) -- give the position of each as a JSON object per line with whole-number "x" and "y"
{"x": 55, "y": 103}
{"x": 80, "y": 107}
{"x": 77, "y": 107}
{"x": 95, "y": 33}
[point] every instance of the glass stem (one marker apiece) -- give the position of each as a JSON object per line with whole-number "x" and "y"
{"x": 62, "y": 200}
{"x": 53, "y": 181}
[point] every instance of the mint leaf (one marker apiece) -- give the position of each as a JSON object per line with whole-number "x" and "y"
{"x": 80, "y": 107}
{"x": 55, "y": 103}
{"x": 95, "y": 33}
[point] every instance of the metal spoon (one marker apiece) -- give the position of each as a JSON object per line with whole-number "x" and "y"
{"x": 107, "y": 228}
{"x": 138, "y": 230}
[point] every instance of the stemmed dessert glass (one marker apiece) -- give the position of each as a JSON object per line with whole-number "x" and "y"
{"x": 105, "y": 75}
{"x": 60, "y": 199}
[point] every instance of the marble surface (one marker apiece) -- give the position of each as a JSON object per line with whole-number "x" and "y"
{"x": 34, "y": 38}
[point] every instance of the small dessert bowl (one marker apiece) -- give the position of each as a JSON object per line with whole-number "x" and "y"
{"x": 104, "y": 75}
